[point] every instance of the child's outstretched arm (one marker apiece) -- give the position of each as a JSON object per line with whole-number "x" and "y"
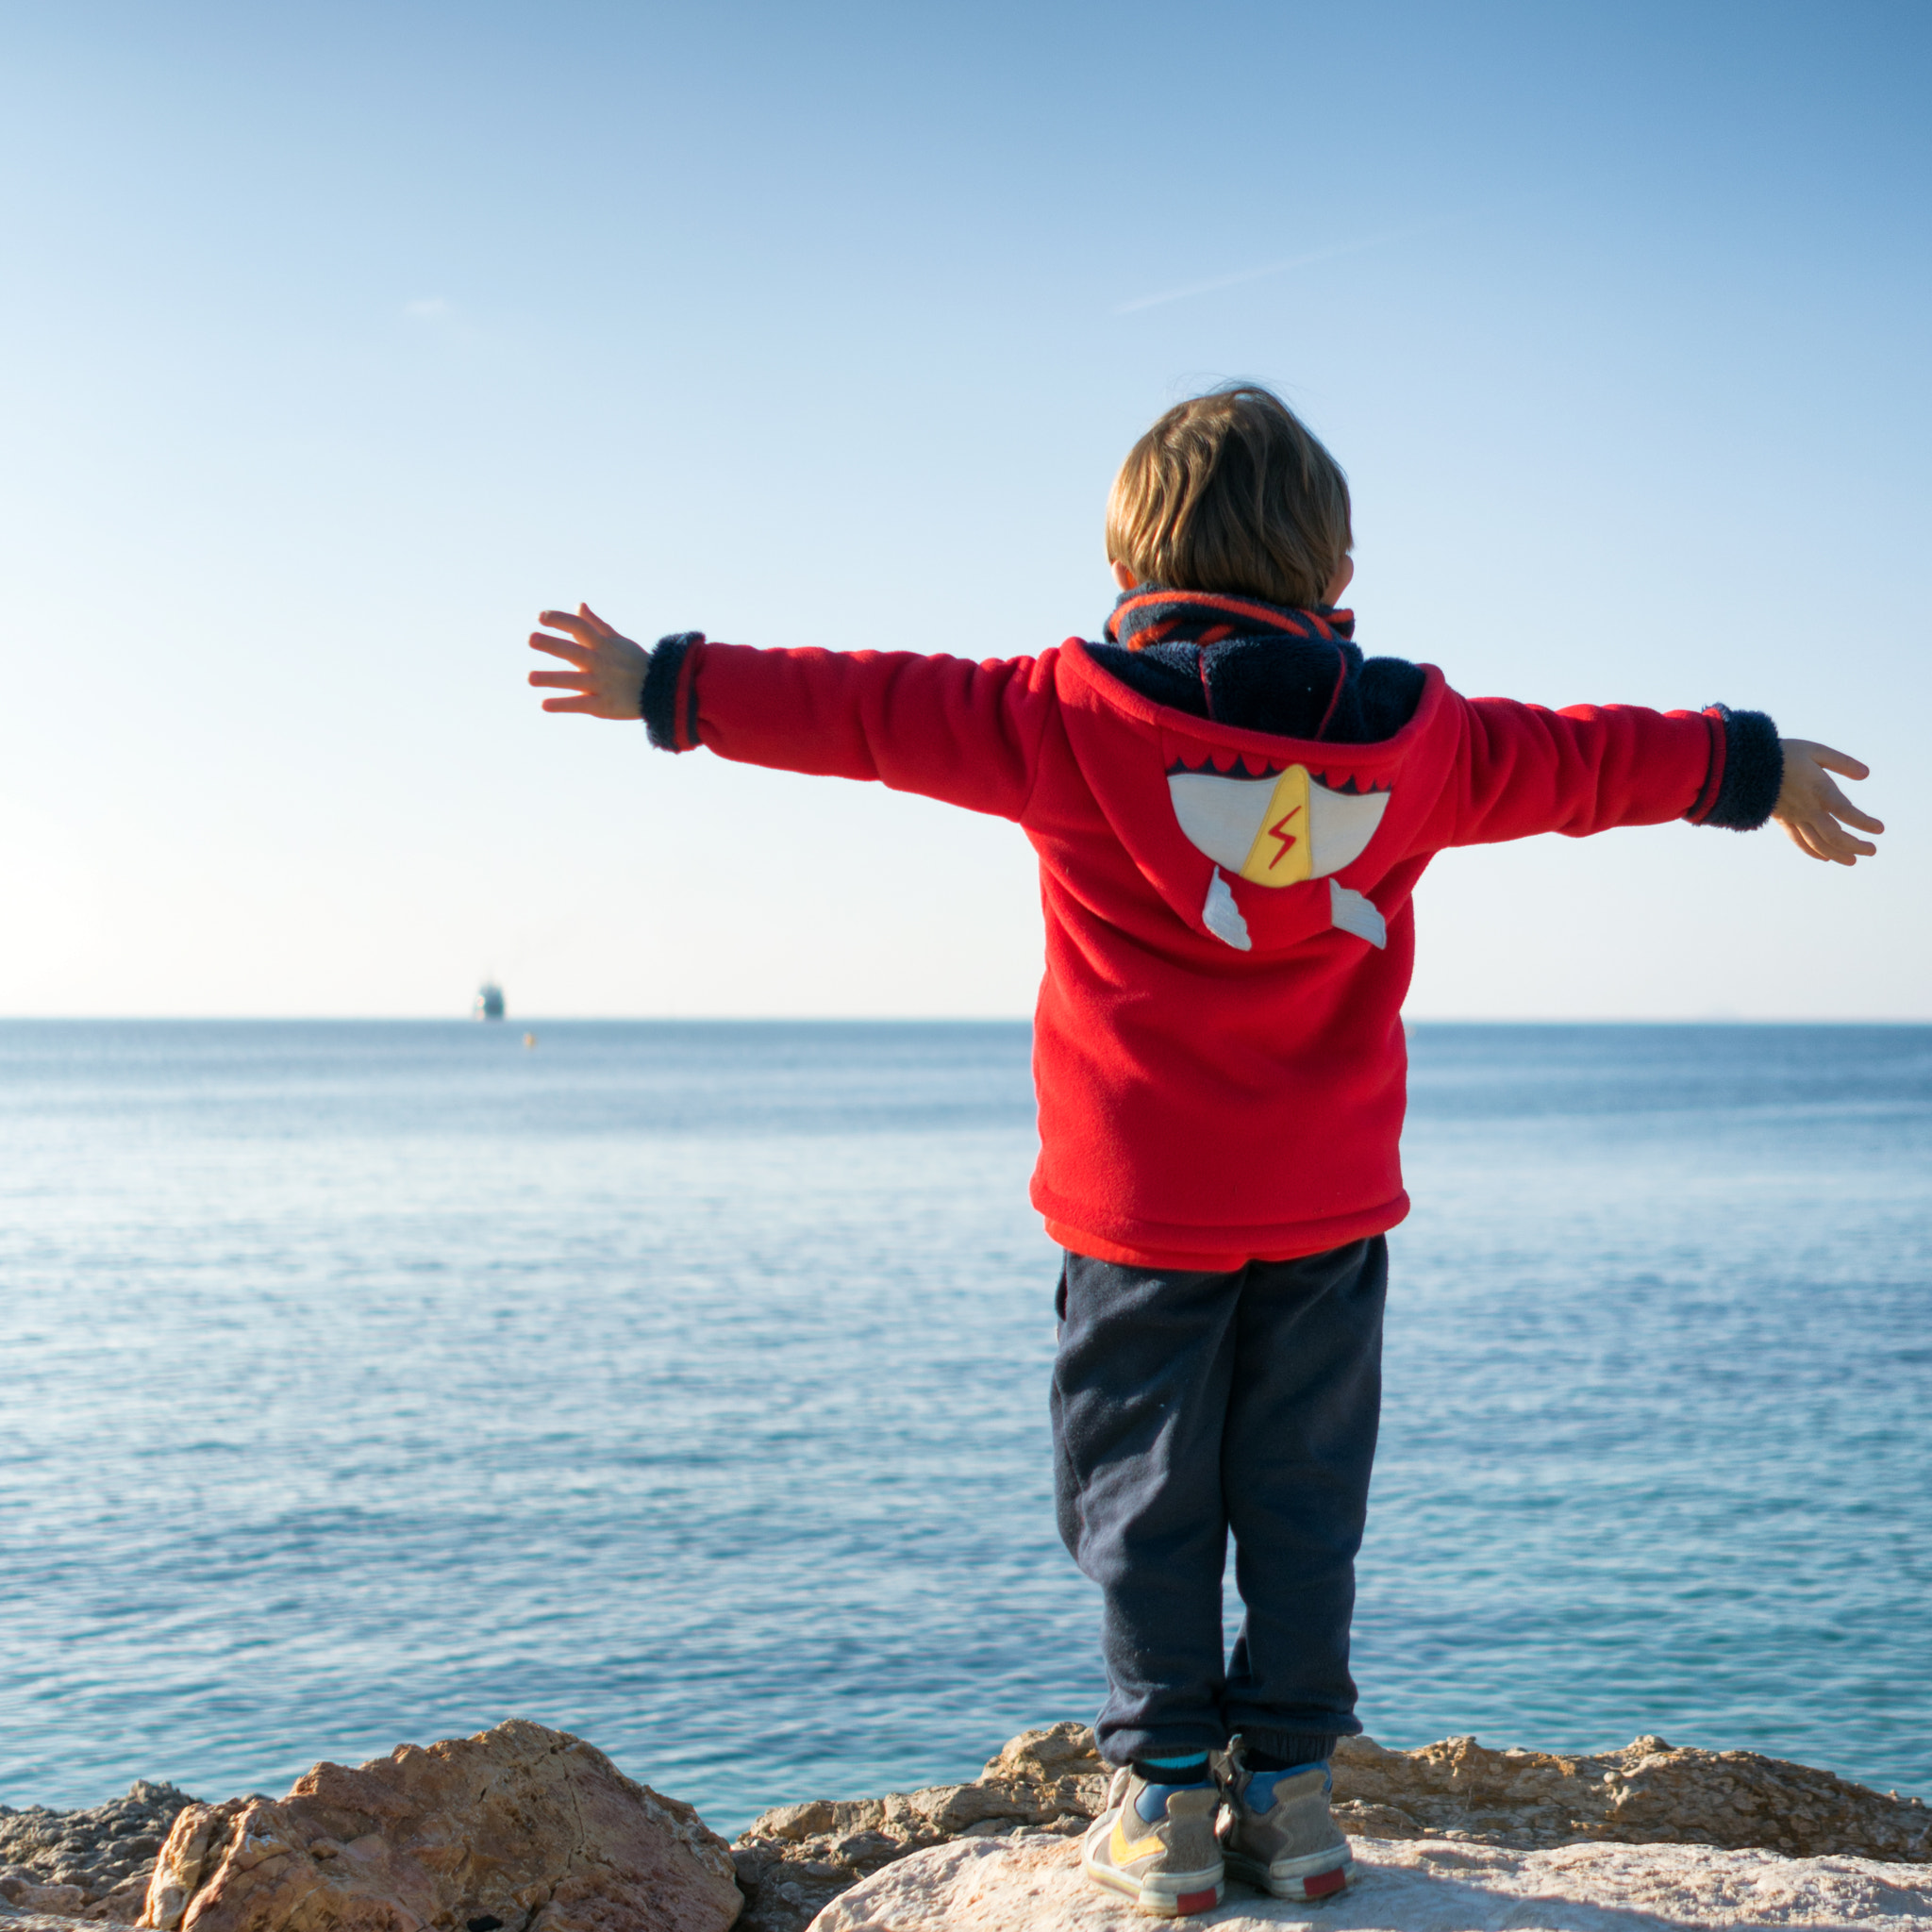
{"x": 1525, "y": 769}
{"x": 1810, "y": 805}
{"x": 943, "y": 727}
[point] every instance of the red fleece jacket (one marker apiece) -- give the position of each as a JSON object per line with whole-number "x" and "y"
{"x": 1218, "y": 1047}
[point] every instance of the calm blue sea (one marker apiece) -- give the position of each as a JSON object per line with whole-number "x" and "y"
{"x": 685, "y": 1386}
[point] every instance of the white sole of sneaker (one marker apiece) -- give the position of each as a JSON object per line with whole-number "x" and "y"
{"x": 1308, "y": 1881}
{"x": 1161, "y": 1894}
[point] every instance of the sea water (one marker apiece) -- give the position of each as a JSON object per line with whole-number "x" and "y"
{"x": 684, "y": 1386}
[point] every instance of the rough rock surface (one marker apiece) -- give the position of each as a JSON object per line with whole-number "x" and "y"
{"x": 1646, "y": 1794}
{"x": 93, "y": 1863}
{"x": 1425, "y": 1885}
{"x": 794, "y": 1860}
{"x": 517, "y": 1829}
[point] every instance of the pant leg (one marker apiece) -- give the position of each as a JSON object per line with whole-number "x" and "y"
{"x": 1303, "y": 1412}
{"x": 1139, "y": 1396}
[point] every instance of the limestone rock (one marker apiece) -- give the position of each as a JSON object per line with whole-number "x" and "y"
{"x": 1425, "y": 1885}
{"x": 517, "y": 1829}
{"x": 20, "y": 1888}
{"x": 796, "y": 1858}
{"x": 13, "y": 1919}
{"x": 322, "y": 1858}
{"x": 105, "y": 1853}
{"x": 1647, "y": 1793}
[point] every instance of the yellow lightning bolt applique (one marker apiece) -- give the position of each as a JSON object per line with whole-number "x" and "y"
{"x": 1280, "y": 855}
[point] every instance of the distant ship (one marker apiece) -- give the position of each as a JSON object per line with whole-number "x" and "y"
{"x": 488, "y": 1002}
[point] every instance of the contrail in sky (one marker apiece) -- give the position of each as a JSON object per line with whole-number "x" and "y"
{"x": 1273, "y": 268}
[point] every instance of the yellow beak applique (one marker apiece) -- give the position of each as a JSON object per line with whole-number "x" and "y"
{"x": 1283, "y": 850}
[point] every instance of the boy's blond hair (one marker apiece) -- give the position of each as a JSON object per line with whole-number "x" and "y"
{"x": 1230, "y": 491}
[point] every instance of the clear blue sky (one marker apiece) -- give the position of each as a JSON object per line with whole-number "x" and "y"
{"x": 339, "y": 339}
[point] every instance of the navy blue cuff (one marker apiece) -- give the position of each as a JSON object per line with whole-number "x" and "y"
{"x": 1754, "y": 770}
{"x": 1292, "y": 1747}
{"x": 658, "y": 704}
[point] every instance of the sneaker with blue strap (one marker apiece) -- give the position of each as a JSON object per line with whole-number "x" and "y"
{"x": 1278, "y": 1835}
{"x": 1156, "y": 1840}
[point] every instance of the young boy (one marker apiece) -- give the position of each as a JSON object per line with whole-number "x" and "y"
{"x": 1231, "y": 808}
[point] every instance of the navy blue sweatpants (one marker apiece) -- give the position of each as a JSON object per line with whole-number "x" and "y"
{"x": 1189, "y": 1406}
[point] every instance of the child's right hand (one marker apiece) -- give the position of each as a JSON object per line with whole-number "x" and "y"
{"x": 606, "y": 673}
{"x": 1810, "y": 805}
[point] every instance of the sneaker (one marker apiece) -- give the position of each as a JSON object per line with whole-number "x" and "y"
{"x": 1293, "y": 1848}
{"x": 1167, "y": 1868}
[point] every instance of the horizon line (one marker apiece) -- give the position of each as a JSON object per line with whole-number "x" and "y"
{"x": 511, "y": 1023}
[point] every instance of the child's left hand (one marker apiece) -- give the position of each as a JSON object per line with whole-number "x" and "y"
{"x": 607, "y": 671}
{"x": 1810, "y": 805}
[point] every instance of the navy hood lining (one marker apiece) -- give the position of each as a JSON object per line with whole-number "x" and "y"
{"x": 1259, "y": 666}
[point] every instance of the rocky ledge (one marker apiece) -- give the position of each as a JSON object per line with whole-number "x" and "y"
{"x": 794, "y": 1860}
{"x": 1427, "y": 1885}
{"x": 93, "y": 1863}
{"x": 522, "y": 1829}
